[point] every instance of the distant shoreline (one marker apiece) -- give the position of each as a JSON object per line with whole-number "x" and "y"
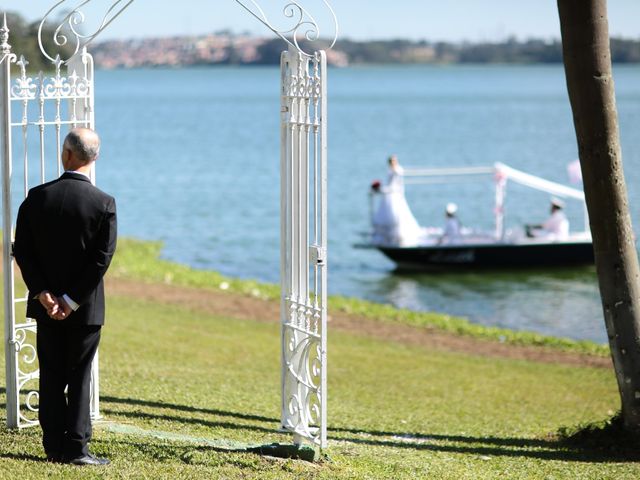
{"x": 348, "y": 67}
{"x": 226, "y": 48}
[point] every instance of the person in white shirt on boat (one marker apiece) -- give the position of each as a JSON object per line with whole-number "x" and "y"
{"x": 556, "y": 227}
{"x": 393, "y": 222}
{"x": 451, "y": 234}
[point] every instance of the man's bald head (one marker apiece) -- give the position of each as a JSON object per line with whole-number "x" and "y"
{"x": 84, "y": 144}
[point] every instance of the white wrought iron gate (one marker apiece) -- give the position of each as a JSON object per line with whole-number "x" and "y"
{"x": 37, "y": 110}
{"x": 304, "y": 245}
{"x": 35, "y": 115}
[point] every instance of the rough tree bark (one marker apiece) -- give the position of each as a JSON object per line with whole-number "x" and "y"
{"x": 587, "y": 60}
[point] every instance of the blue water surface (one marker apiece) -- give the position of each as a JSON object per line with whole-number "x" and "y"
{"x": 192, "y": 156}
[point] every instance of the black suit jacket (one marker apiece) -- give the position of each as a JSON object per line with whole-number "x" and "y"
{"x": 64, "y": 241}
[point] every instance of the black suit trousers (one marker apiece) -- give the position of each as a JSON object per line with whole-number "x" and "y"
{"x": 65, "y": 353}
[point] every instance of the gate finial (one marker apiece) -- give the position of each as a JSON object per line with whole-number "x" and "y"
{"x": 4, "y": 35}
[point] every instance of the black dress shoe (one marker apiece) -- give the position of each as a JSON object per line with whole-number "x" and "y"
{"x": 88, "y": 460}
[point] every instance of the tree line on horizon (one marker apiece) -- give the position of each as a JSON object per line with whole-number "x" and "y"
{"x": 510, "y": 50}
{"x": 402, "y": 51}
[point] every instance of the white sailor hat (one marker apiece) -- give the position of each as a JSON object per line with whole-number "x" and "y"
{"x": 451, "y": 208}
{"x": 556, "y": 202}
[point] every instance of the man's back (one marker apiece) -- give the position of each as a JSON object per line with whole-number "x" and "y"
{"x": 67, "y": 230}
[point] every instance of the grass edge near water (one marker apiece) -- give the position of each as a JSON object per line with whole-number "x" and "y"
{"x": 141, "y": 260}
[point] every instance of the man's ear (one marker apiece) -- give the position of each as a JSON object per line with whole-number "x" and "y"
{"x": 69, "y": 157}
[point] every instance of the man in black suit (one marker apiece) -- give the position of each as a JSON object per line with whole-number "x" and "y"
{"x": 65, "y": 239}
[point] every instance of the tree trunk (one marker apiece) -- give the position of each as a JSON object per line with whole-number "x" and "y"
{"x": 587, "y": 60}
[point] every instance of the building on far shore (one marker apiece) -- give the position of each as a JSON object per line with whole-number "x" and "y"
{"x": 213, "y": 49}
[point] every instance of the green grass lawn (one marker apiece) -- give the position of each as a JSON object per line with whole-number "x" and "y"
{"x": 140, "y": 260}
{"x": 395, "y": 411}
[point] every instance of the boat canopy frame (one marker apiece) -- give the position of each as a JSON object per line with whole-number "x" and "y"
{"x": 501, "y": 174}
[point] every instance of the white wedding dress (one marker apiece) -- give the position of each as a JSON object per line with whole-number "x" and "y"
{"x": 393, "y": 222}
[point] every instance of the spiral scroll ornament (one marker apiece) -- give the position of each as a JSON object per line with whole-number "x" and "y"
{"x": 301, "y": 25}
{"x": 28, "y": 373}
{"x": 67, "y": 32}
{"x": 303, "y": 389}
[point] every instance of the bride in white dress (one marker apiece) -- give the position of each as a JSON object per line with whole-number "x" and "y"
{"x": 393, "y": 222}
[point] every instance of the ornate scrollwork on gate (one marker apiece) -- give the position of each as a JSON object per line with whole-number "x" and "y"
{"x": 27, "y": 372}
{"x": 23, "y": 88}
{"x": 56, "y": 86}
{"x": 68, "y": 33}
{"x": 304, "y": 243}
{"x": 303, "y": 363}
{"x": 301, "y": 23}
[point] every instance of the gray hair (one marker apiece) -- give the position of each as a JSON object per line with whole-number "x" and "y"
{"x": 84, "y": 143}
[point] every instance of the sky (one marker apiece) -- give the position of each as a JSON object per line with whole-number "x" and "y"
{"x": 446, "y": 20}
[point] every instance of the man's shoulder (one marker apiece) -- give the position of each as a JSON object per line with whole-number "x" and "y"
{"x": 43, "y": 187}
{"x": 99, "y": 198}
{"x": 104, "y": 196}
{"x": 82, "y": 187}
{"x": 85, "y": 184}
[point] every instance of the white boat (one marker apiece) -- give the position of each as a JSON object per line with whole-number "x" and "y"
{"x": 499, "y": 248}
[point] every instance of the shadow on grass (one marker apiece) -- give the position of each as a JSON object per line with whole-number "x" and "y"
{"x": 181, "y": 452}
{"x": 182, "y": 408}
{"x": 554, "y": 448}
{"x": 544, "y": 449}
{"x": 509, "y": 447}
{"x": 22, "y": 457}
{"x": 191, "y": 421}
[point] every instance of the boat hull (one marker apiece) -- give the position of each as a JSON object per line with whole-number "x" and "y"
{"x": 520, "y": 255}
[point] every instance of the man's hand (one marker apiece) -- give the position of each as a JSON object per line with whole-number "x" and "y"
{"x": 64, "y": 309}
{"x": 50, "y": 303}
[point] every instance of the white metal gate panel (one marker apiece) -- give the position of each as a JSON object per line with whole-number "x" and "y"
{"x": 304, "y": 246}
{"x": 37, "y": 111}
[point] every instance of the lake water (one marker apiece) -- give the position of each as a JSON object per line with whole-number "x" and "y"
{"x": 193, "y": 156}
